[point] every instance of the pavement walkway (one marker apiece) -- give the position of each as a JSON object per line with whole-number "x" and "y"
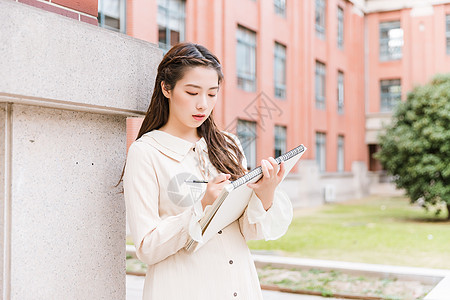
{"x": 432, "y": 276}
{"x": 136, "y": 283}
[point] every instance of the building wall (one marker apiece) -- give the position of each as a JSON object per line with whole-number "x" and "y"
{"x": 84, "y": 11}
{"x": 424, "y": 55}
{"x": 424, "y": 50}
{"x": 214, "y": 24}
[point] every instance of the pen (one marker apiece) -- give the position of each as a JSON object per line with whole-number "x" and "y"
{"x": 196, "y": 181}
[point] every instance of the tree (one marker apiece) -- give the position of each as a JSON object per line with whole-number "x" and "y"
{"x": 415, "y": 148}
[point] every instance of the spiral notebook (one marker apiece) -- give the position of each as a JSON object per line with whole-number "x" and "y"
{"x": 234, "y": 198}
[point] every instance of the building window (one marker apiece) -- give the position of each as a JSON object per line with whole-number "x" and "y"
{"x": 171, "y": 23}
{"x": 280, "y": 71}
{"x": 320, "y": 85}
{"x": 340, "y": 153}
{"x": 111, "y": 15}
{"x": 280, "y": 7}
{"x": 321, "y": 151}
{"x": 340, "y": 29}
{"x": 280, "y": 140}
{"x": 391, "y": 94}
{"x": 447, "y": 32}
{"x": 340, "y": 92}
{"x": 246, "y": 132}
{"x": 391, "y": 41}
{"x": 246, "y": 59}
{"x": 320, "y": 18}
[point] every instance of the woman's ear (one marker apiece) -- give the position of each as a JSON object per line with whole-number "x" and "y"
{"x": 165, "y": 92}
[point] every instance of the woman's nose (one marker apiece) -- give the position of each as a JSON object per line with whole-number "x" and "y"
{"x": 202, "y": 102}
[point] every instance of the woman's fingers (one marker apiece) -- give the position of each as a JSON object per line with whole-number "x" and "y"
{"x": 265, "y": 168}
{"x": 282, "y": 170}
{"x": 271, "y": 171}
{"x": 274, "y": 164}
{"x": 221, "y": 178}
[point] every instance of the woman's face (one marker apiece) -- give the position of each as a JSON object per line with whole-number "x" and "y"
{"x": 193, "y": 97}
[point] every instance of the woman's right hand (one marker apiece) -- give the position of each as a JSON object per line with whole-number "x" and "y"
{"x": 213, "y": 188}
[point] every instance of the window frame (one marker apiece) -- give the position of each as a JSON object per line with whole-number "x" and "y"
{"x": 320, "y": 73}
{"x": 246, "y": 41}
{"x": 170, "y": 15}
{"x": 246, "y": 133}
{"x": 388, "y": 53}
{"x": 340, "y": 92}
{"x": 447, "y": 33}
{"x": 340, "y": 153}
{"x": 280, "y": 134}
{"x": 320, "y": 18}
{"x": 321, "y": 151}
{"x": 389, "y": 100}
{"x": 280, "y": 51}
{"x": 279, "y": 7}
{"x": 340, "y": 27}
{"x": 122, "y": 16}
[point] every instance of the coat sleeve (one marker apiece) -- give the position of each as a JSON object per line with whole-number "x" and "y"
{"x": 155, "y": 238}
{"x": 256, "y": 223}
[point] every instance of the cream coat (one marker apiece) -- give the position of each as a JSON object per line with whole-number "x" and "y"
{"x": 163, "y": 211}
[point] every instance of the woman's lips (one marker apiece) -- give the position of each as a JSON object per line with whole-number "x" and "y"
{"x": 198, "y": 117}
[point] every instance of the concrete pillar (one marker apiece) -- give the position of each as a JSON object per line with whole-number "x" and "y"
{"x": 3, "y": 183}
{"x": 361, "y": 179}
{"x": 307, "y": 181}
{"x": 66, "y": 89}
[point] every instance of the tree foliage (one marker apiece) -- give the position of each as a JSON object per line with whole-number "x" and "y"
{"x": 416, "y": 146}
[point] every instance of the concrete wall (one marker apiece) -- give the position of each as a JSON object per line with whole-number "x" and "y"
{"x": 66, "y": 90}
{"x": 3, "y": 171}
{"x": 67, "y": 218}
{"x": 309, "y": 187}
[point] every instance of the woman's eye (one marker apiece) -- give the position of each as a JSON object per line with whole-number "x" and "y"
{"x": 212, "y": 95}
{"x": 192, "y": 94}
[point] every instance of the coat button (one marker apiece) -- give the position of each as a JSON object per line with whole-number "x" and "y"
{"x": 220, "y": 232}
{"x": 230, "y": 262}
{"x": 235, "y": 294}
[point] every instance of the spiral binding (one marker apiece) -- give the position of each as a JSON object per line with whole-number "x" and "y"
{"x": 258, "y": 171}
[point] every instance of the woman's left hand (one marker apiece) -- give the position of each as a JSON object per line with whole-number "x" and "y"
{"x": 272, "y": 176}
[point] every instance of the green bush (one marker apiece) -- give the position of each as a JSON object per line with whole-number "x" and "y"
{"x": 416, "y": 146}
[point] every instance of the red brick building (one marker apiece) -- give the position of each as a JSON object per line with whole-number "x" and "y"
{"x": 325, "y": 73}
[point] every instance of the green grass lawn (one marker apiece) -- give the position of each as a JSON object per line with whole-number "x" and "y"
{"x": 380, "y": 230}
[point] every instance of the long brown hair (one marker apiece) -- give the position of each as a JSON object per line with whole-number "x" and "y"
{"x": 223, "y": 151}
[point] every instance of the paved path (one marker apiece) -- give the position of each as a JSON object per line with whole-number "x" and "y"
{"x": 135, "y": 284}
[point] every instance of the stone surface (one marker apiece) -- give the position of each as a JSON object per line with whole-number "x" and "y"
{"x": 304, "y": 188}
{"x": 48, "y": 56}
{"x": 441, "y": 291}
{"x": 68, "y": 219}
{"x": 360, "y": 179}
{"x": 2, "y": 182}
{"x": 375, "y": 124}
{"x": 70, "y": 86}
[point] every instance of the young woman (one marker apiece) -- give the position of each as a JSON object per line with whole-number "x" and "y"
{"x": 179, "y": 140}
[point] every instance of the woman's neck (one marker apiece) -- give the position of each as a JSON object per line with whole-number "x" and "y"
{"x": 190, "y": 134}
